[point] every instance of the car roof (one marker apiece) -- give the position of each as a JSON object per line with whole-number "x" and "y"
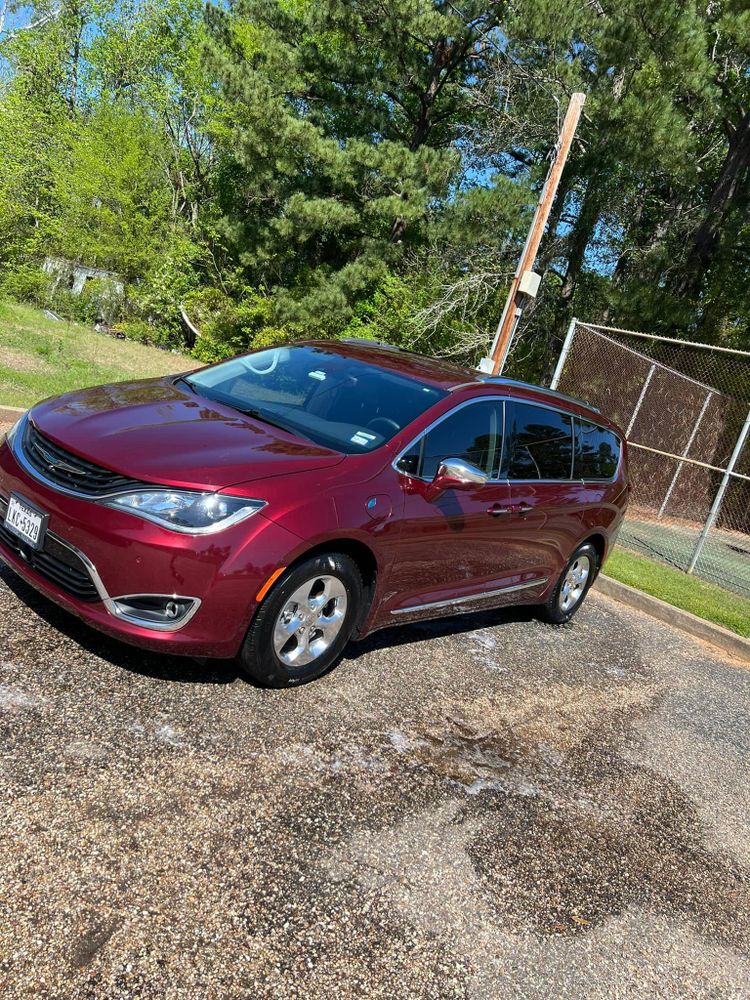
{"x": 451, "y": 377}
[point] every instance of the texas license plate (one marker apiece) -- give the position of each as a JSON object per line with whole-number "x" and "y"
{"x": 25, "y": 521}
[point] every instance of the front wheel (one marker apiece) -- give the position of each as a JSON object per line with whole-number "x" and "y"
{"x": 303, "y": 625}
{"x": 573, "y": 585}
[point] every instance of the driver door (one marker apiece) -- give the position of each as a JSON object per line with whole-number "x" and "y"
{"x": 455, "y": 546}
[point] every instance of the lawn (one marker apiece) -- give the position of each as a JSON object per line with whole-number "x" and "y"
{"x": 40, "y": 357}
{"x": 688, "y": 592}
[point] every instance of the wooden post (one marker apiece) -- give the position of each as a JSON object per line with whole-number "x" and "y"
{"x": 511, "y": 313}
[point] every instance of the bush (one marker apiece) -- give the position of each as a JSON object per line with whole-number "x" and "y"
{"x": 100, "y": 301}
{"x": 228, "y": 327}
{"x": 26, "y": 283}
{"x": 156, "y": 299}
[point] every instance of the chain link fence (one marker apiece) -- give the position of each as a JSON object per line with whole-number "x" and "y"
{"x": 685, "y": 409}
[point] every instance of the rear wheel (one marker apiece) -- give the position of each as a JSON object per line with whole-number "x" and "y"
{"x": 573, "y": 585}
{"x": 303, "y": 625}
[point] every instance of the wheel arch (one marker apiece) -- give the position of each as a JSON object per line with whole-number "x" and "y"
{"x": 599, "y": 541}
{"x": 362, "y": 555}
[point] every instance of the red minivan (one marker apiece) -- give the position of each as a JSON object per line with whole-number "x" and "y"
{"x": 272, "y": 507}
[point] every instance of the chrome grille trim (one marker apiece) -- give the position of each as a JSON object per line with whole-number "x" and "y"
{"x": 33, "y": 450}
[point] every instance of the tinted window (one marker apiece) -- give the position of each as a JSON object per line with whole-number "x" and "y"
{"x": 597, "y": 452}
{"x": 471, "y": 433}
{"x": 540, "y": 442}
{"x": 332, "y": 398}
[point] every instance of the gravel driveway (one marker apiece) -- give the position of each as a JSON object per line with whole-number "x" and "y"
{"x": 483, "y": 808}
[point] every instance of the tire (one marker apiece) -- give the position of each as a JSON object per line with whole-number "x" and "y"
{"x": 322, "y": 596}
{"x": 565, "y": 599}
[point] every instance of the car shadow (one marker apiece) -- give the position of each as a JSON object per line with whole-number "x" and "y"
{"x": 181, "y": 669}
{"x": 189, "y": 670}
{"x": 437, "y": 628}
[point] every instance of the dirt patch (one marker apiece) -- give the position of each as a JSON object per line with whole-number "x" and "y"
{"x": 19, "y": 361}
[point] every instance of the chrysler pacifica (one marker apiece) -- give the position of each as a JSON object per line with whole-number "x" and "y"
{"x": 275, "y": 506}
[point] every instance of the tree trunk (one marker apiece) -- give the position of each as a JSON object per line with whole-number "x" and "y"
{"x": 727, "y": 191}
{"x": 443, "y": 58}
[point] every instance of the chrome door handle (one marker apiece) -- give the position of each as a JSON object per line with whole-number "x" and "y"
{"x": 496, "y": 510}
{"x": 521, "y": 509}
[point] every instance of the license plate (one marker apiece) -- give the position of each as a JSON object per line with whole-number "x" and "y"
{"x": 26, "y": 521}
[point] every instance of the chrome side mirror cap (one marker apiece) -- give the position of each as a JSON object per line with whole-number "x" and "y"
{"x": 455, "y": 474}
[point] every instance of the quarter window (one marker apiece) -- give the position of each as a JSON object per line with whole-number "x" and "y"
{"x": 471, "y": 433}
{"x": 540, "y": 442}
{"x": 597, "y": 451}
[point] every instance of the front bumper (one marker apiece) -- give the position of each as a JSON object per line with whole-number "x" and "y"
{"x": 112, "y": 553}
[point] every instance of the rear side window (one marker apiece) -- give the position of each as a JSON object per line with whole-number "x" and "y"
{"x": 540, "y": 442}
{"x": 472, "y": 433}
{"x": 597, "y": 452}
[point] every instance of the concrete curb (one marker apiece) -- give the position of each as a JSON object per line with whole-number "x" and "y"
{"x": 9, "y": 414}
{"x": 699, "y": 628}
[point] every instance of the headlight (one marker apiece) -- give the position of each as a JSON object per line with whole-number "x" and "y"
{"x": 192, "y": 513}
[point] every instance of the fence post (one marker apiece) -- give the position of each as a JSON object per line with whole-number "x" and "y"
{"x": 713, "y": 513}
{"x": 685, "y": 453}
{"x": 642, "y": 396}
{"x": 564, "y": 354}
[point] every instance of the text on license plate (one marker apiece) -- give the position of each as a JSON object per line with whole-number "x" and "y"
{"x": 24, "y": 522}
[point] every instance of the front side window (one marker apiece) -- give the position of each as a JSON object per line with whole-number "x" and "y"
{"x": 597, "y": 451}
{"x": 321, "y": 393}
{"x": 540, "y": 443}
{"x": 472, "y": 433}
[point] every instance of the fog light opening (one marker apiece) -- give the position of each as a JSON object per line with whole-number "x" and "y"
{"x": 158, "y": 611}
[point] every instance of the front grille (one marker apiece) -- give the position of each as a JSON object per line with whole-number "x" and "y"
{"x": 71, "y": 472}
{"x": 55, "y": 561}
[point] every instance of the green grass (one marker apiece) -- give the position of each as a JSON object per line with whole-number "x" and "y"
{"x": 700, "y": 598}
{"x": 40, "y": 357}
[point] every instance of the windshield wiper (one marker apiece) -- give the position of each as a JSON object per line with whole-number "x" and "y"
{"x": 249, "y": 411}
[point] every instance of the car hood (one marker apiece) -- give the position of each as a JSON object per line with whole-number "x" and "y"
{"x": 156, "y": 431}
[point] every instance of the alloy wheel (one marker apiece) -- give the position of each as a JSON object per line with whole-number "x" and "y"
{"x": 574, "y": 583}
{"x": 310, "y": 620}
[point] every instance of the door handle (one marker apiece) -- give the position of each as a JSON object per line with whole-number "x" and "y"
{"x": 522, "y": 509}
{"x": 496, "y": 510}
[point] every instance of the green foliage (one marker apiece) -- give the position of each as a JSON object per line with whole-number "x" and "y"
{"x": 229, "y": 326}
{"x": 687, "y": 592}
{"x": 284, "y": 168}
{"x": 108, "y": 189}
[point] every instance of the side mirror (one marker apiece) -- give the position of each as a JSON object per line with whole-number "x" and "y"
{"x": 455, "y": 474}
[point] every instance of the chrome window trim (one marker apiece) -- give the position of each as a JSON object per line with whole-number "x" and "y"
{"x": 495, "y": 398}
{"x": 573, "y": 417}
{"x": 472, "y": 597}
{"x": 504, "y": 400}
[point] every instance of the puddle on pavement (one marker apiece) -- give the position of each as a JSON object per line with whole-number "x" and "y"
{"x": 571, "y": 832}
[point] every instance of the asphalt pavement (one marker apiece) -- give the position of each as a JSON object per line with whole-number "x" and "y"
{"x": 480, "y": 807}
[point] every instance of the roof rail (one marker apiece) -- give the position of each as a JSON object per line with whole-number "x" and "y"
{"x": 499, "y": 380}
{"x": 370, "y": 343}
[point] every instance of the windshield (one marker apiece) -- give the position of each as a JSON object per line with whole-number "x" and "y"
{"x": 332, "y": 399}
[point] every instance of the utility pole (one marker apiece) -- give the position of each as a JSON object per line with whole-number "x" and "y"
{"x": 525, "y": 282}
